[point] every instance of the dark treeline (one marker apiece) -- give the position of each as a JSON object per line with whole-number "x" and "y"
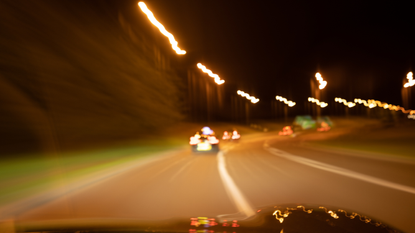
{"x": 76, "y": 73}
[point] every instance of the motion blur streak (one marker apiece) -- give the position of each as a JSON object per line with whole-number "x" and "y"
{"x": 376, "y": 103}
{"x": 232, "y": 190}
{"x": 94, "y": 80}
{"x": 156, "y": 23}
{"x": 411, "y": 80}
{"x": 211, "y": 74}
{"x": 253, "y": 99}
{"x": 318, "y": 102}
{"x": 348, "y": 104}
{"x": 287, "y": 102}
{"x": 322, "y": 82}
{"x": 339, "y": 170}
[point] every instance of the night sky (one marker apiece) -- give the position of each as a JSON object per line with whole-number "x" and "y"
{"x": 267, "y": 48}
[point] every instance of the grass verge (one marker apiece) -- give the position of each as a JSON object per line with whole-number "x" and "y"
{"x": 26, "y": 175}
{"x": 373, "y": 136}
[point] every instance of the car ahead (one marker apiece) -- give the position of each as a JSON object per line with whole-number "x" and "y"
{"x": 231, "y": 135}
{"x": 205, "y": 141}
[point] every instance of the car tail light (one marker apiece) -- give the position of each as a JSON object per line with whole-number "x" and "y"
{"x": 235, "y": 135}
{"x": 213, "y": 140}
{"x": 194, "y": 141}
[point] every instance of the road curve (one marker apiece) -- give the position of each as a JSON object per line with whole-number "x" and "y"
{"x": 258, "y": 171}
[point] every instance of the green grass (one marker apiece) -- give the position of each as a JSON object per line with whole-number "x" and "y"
{"x": 25, "y": 175}
{"x": 394, "y": 140}
{"x": 31, "y": 174}
{"x": 390, "y": 147}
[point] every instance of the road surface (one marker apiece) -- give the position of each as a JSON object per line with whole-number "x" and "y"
{"x": 265, "y": 169}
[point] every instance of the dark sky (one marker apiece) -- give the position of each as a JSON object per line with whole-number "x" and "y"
{"x": 268, "y": 48}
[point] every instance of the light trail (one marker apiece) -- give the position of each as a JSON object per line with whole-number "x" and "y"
{"x": 322, "y": 82}
{"x": 348, "y": 104}
{"x": 316, "y": 101}
{"x": 376, "y": 103}
{"x": 160, "y": 26}
{"x": 211, "y": 74}
{"x": 287, "y": 102}
{"x": 411, "y": 80}
{"x": 253, "y": 99}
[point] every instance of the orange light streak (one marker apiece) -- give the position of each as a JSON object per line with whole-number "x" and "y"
{"x": 322, "y": 83}
{"x": 160, "y": 26}
{"x": 253, "y": 99}
{"x": 316, "y": 101}
{"x": 411, "y": 80}
{"x": 376, "y": 103}
{"x": 348, "y": 104}
{"x": 211, "y": 74}
{"x": 287, "y": 102}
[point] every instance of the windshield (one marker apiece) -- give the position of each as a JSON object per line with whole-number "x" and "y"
{"x": 105, "y": 107}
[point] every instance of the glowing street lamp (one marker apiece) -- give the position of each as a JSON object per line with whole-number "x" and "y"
{"x": 348, "y": 104}
{"x": 287, "y": 102}
{"x": 247, "y": 96}
{"x": 318, "y": 102}
{"x": 411, "y": 80}
{"x": 156, "y": 23}
{"x": 376, "y": 103}
{"x": 322, "y": 82}
{"x": 406, "y": 92}
{"x": 211, "y": 74}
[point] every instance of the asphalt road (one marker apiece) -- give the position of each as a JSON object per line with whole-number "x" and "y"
{"x": 265, "y": 169}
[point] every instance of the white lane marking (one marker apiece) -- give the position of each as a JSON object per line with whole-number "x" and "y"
{"x": 339, "y": 170}
{"x": 181, "y": 169}
{"x": 169, "y": 166}
{"x": 233, "y": 191}
{"x": 266, "y": 163}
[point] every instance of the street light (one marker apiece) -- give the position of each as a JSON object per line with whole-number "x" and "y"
{"x": 318, "y": 102}
{"x": 348, "y": 104}
{"x": 253, "y": 100}
{"x": 211, "y": 74}
{"x": 247, "y": 96}
{"x": 156, "y": 23}
{"x": 376, "y": 103}
{"x": 406, "y": 92}
{"x": 322, "y": 82}
{"x": 411, "y": 80}
{"x": 287, "y": 102}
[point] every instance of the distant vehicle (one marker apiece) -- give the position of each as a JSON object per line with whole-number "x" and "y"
{"x": 324, "y": 127}
{"x": 324, "y": 119}
{"x": 304, "y": 122}
{"x": 205, "y": 141}
{"x": 286, "y": 131}
{"x": 231, "y": 136}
